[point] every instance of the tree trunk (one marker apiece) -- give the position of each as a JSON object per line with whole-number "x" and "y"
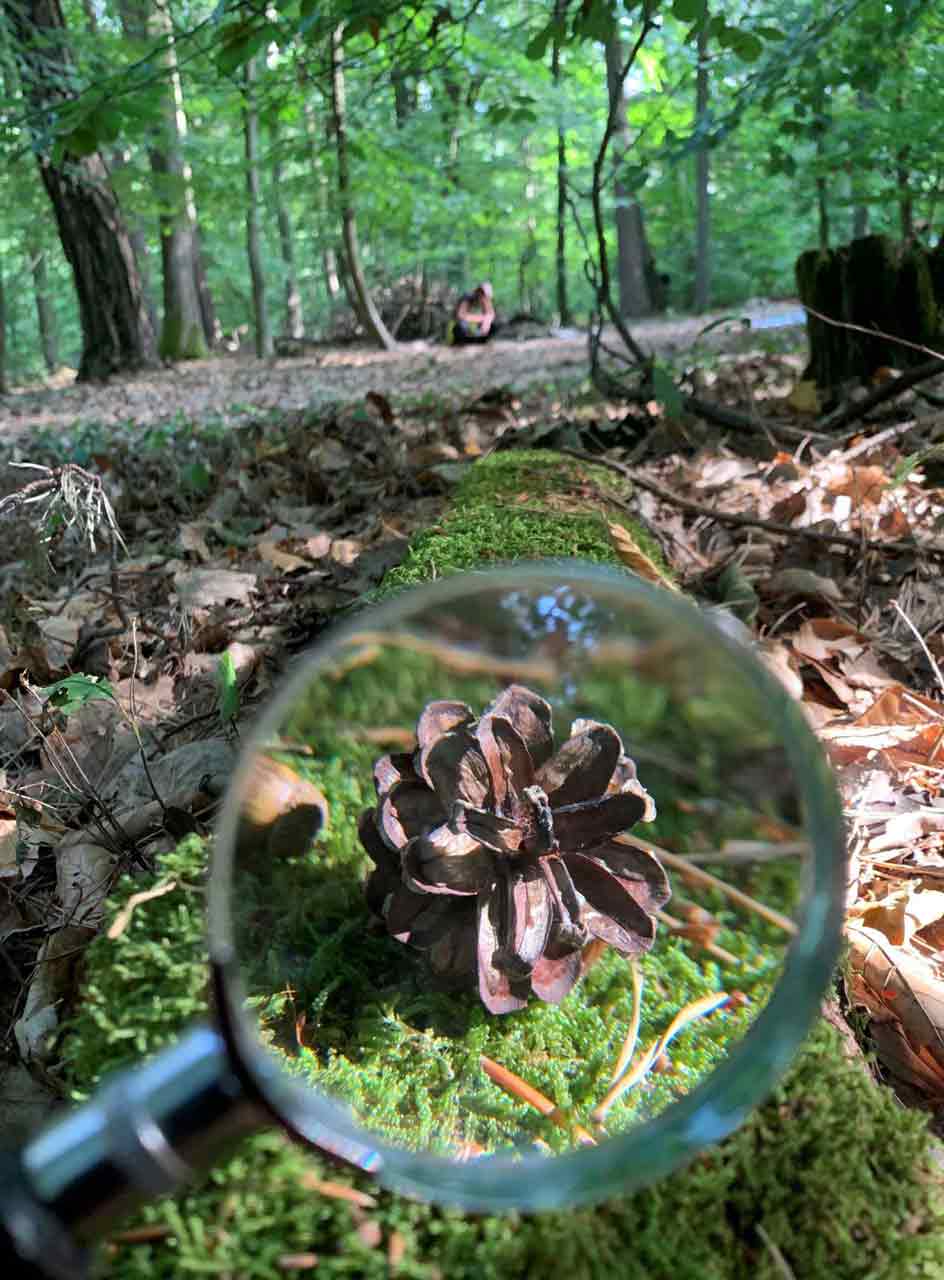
{"x": 563, "y": 304}
{"x": 117, "y": 335}
{"x": 632, "y": 249}
{"x": 4, "y": 388}
{"x": 371, "y": 315}
{"x": 294, "y": 320}
{"x": 45, "y": 316}
{"x": 263, "y": 329}
{"x": 182, "y": 331}
{"x": 702, "y": 195}
{"x": 329, "y": 255}
{"x": 212, "y": 329}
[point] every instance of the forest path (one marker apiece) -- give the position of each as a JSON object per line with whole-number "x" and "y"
{"x": 234, "y": 389}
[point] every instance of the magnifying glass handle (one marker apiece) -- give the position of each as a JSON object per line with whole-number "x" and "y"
{"x": 142, "y": 1136}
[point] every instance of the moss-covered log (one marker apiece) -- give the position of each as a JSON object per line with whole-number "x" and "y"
{"x": 830, "y": 1172}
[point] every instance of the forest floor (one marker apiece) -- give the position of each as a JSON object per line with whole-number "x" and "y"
{"x": 233, "y": 388}
{"x": 256, "y": 499}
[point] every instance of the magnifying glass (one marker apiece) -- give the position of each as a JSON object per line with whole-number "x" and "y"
{"x": 526, "y": 888}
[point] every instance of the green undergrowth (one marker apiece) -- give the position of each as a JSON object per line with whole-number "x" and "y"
{"x": 830, "y": 1170}
{"x": 518, "y": 504}
{"x": 405, "y": 1056}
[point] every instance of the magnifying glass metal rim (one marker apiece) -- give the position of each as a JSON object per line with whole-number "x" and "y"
{"x": 623, "y": 1162}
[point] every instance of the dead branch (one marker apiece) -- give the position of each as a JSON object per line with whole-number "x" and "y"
{"x": 929, "y": 549}
{"x": 888, "y": 391}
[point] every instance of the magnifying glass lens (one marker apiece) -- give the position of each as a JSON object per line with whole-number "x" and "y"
{"x": 516, "y": 863}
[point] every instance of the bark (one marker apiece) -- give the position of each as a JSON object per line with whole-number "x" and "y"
{"x": 212, "y": 329}
{"x": 632, "y": 249}
{"x": 263, "y": 328}
{"x": 182, "y": 331}
{"x": 329, "y": 254}
{"x": 702, "y": 173}
{"x": 563, "y": 304}
{"x": 405, "y": 100}
{"x": 117, "y": 335}
{"x": 4, "y": 388}
{"x": 294, "y": 320}
{"x": 368, "y": 310}
{"x": 45, "y": 315}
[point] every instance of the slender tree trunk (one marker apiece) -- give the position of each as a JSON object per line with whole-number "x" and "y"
{"x": 182, "y": 331}
{"x": 116, "y": 332}
{"x": 45, "y": 316}
{"x": 632, "y": 248}
{"x": 294, "y": 320}
{"x": 371, "y": 315}
{"x": 329, "y": 255}
{"x": 4, "y": 387}
{"x": 212, "y": 329}
{"x": 702, "y": 195}
{"x": 563, "y": 304}
{"x": 905, "y": 195}
{"x": 263, "y": 328}
{"x": 821, "y": 116}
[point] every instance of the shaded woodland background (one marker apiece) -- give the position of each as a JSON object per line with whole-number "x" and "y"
{"x": 180, "y": 176}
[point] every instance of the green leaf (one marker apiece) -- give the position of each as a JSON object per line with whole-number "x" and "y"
{"x": 748, "y": 47}
{"x": 227, "y": 689}
{"x": 537, "y": 45}
{"x": 665, "y": 391}
{"x": 72, "y": 693}
{"x": 82, "y": 141}
{"x": 197, "y": 477}
{"x": 689, "y": 10}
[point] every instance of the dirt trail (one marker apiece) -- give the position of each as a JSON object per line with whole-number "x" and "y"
{"x": 232, "y": 389}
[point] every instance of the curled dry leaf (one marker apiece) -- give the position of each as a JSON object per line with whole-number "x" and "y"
{"x": 904, "y": 995}
{"x": 633, "y": 556}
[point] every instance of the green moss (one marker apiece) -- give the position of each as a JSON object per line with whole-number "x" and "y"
{"x": 527, "y": 503}
{"x": 407, "y": 1059}
{"x": 832, "y": 1169}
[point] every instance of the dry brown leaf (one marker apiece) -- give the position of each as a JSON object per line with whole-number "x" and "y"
{"x": 864, "y": 485}
{"x": 286, "y": 561}
{"x": 778, "y": 659}
{"x": 318, "y": 546}
{"x": 905, "y": 997}
{"x": 191, "y": 539}
{"x": 901, "y": 914}
{"x": 787, "y": 509}
{"x": 803, "y": 582}
{"x": 345, "y": 550}
{"x": 633, "y": 556}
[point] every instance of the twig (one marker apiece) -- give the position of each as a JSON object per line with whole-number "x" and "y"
{"x": 779, "y": 1261}
{"x": 464, "y": 661}
{"x": 874, "y": 332}
{"x": 719, "y": 953}
{"x": 697, "y": 1009}
{"x": 519, "y": 1088}
{"x": 890, "y": 433}
{"x": 929, "y": 549}
{"x": 888, "y": 391}
{"x": 632, "y": 1035}
{"x": 695, "y": 875}
{"x": 921, "y": 641}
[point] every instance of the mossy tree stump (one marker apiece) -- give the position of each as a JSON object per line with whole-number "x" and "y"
{"x": 890, "y": 290}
